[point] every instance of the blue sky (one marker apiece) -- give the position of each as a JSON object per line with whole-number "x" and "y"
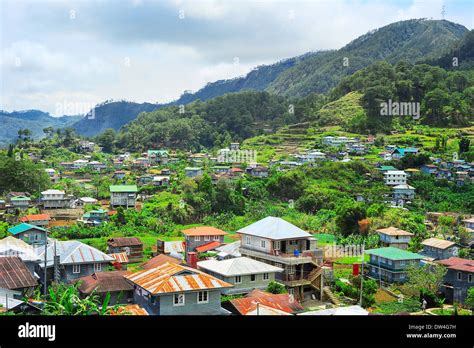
{"x": 85, "y": 52}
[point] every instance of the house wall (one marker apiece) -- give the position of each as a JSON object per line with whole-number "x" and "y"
{"x": 460, "y": 286}
{"x": 122, "y": 199}
{"x": 246, "y": 284}
{"x": 192, "y": 243}
{"x": 32, "y": 236}
{"x": 134, "y": 252}
{"x": 437, "y": 253}
{"x": 255, "y": 243}
{"x": 191, "y": 307}
{"x": 391, "y": 270}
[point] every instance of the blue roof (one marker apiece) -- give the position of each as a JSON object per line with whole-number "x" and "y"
{"x": 402, "y": 150}
{"x": 23, "y": 228}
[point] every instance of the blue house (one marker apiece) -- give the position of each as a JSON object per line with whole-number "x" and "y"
{"x": 429, "y": 169}
{"x": 401, "y": 152}
{"x": 439, "y": 249}
{"x": 390, "y": 264}
{"x": 30, "y": 234}
{"x": 458, "y": 279}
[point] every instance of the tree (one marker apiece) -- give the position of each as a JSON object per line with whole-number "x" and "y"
{"x": 65, "y": 300}
{"x": 276, "y": 288}
{"x": 21, "y": 175}
{"x": 348, "y": 216}
{"x": 469, "y": 301}
{"x": 464, "y": 144}
{"x": 107, "y": 140}
{"x": 428, "y": 277}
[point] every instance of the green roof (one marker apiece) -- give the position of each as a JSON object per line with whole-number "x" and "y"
{"x": 20, "y": 198}
{"x": 384, "y": 168}
{"x": 192, "y": 168}
{"x": 23, "y": 228}
{"x": 123, "y": 188}
{"x": 394, "y": 254}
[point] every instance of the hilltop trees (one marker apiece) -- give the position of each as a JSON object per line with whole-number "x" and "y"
{"x": 21, "y": 175}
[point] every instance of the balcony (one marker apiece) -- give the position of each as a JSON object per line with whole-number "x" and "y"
{"x": 307, "y": 256}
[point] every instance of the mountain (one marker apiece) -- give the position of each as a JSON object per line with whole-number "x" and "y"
{"x": 34, "y": 120}
{"x": 110, "y": 114}
{"x": 462, "y": 51}
{"x": 413, "y": 40}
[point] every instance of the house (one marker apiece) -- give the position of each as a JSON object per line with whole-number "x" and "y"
{"x": 119, "y": 174}
{"x": 80, "y": 163}
{"x": 114, "y": 283}
{"x": 401, "y": 152}
{"x": 228, "y": 251}
{"x": 55, "y": 199}
{"x": 170, "y": 247}
{"x": 11, "y": 246}
{"x": 140, "y": 163}
{"x": 123, "y": 195}
{"x": 234, "y": 146}
{"x": 157, "y": 156}
{"x": 243, "y": 273}
{"x": 394, "y": 237}
{"x": 52, "y": 174}
{"x": 260, "y": 302}
{"x": 120, "y": 261}
{"x": 389, "y": 264}
{"x": 30, "y": 234}
{"x": 221, "y": 169}
{"x": 385, "y": 155}
{"x": 166, "y": 172}
{"x": 429, "y": 169}
{"x": 404, "y": 192}
{"x": 161, "y": 259}
{"x": 131, "y": 309}
{"x": 67, "y": 165}
{"x": 259, "y": 171}
{"x": 145, "y": 179}
{"x": 439, "y": 249}
{"x": 469, "y": 224}
{"x": 133, "y": 246}
{"x": 192, "y": 172}
{"x": 458, "y": 279}
{"x": 97, "y": 166}
{"x": 69, "y": 260}
{"x": 395, "y": 177}
{"x": 202, "y": 236}
{"x": 94, "y": 217}
{"x": 384, "y": 169}
{"x": 444, "y": 173}
{"x": 173, "y": 289}
{"x": 462, "y": 178}
{"x": 14, "y": 275}
{"x": 236, "y": 172}
{"x": 20, "y": 202}
{"x": 277, "y": 242}
{"x": 41, "y": 220}
{"x": 161, "y": 180}
{"x": 86, "y": 146}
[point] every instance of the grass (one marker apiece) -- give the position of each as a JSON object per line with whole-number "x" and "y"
{"x": 350, "y": 260}
{"x": 407, "y": 306}
{"x": 324, "y": 238}
{"x": 450, "y": 311}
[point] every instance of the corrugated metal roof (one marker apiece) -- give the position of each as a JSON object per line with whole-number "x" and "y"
{"x": 120, "y": 257}
{"x": 203, "y": 231}
{"x": 11, "y": 246}
{"x": 170, "y": 278}
{"x": 438, "y": 243}
{"x": 23, "y": 228}
{"x": 132, "y": 309}
{"x": 124, "y": 241}
{"x": 282, "y": 302}
{"x": 104, "y": 282}
{"x": 159, "y": 260}
{"x": 14, "y": 274}
{"x": 176, "y": 246}
{"x": 35, "y": 217}
{"x": 394, "y": 254}
{"x": 458, "y": 264}
{"x": 393, "y": 231}
{"x": 274, "y": 228}
{"x": 238, "y": 266}
{"x": 123, "y": 188}
{"x": 232, "y": 249}
{"x": 208, "y": 246}
{"x": 72, "y": 252}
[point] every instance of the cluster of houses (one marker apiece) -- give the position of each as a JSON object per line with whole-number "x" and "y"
{"x": 458, "y": 171}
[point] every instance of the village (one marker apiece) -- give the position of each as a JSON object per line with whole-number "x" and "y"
{"x": 267, "y": 267}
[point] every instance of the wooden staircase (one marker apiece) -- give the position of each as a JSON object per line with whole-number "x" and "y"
{"x": 331, "y": 296}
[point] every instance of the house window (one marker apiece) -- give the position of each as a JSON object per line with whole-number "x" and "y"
{"x": 459, "y": 275}
{"x": 238, "y": 279}
{"x": 248, "y": 240}
{"x": 76, "y": 269}
{"x": 216, "y": 238}
{"x": 178, "y": 300}
{"x": 266, "y": 276}
{"x": 197, "y": 238}
{"x": 291, "y": 269}
{"x": 97, "y": 267}
{"x": 469, "y": 278}
{"x": 263, "y": 243}
{"x": 253, "y": 277}
{"x": 203, "y": 297}
{"x": 206, "y": 238}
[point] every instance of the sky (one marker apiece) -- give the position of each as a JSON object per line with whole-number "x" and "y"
{"x": 63, "y": 57}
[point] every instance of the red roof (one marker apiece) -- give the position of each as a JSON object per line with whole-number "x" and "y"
{"x": 208, "y": 246}
{"x": 282, "y": 302}
{"x": 458, "y": 264}
{"x": 159, "y": 260}
{"x": 203, "y": 231}
{"x": 35, "y": 217}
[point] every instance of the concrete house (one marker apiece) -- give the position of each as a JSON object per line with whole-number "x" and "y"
{"x": 394, "y": 237}
{"x": 14, "y": 275}
{"x": 243, "y": 273}
{"x": 30, "y": 234}
{"x": 429, "y": 169}
{"x": 192, "y": 172}
{"x": 157, "y": 156}
{"x": 123, "y": 195}
{"x": 204, "y": 235}
{"x": 277, "y": 242}
{"x": 458, "y": 279}
{"x": 389, "y": 264}
{"x": 404, "y": 192}
{"x": 395, "y": 177}
{"x": 55, "y": 199}
{"x": 259, "y": 171}
{"x": 40, "y": 220}
{"x": 20, "y": 202}
{"x": 71, "y": 260}
{"x": 114, "y": 283}
{"x": 439, "y": 249}
{"x": 173, "y": 289}
{"x": 132, "y": 246}
{"x": 401, "y": 152}
{"x": 11, "y": 246}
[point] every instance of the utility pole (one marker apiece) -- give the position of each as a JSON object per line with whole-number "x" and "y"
{"x": 362, "y": 273}
{"x": 46, "y": 266}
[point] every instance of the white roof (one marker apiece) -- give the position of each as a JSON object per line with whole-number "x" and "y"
{"x": 394, "y": 172}
{"x": 88, "y": 199}
{"x": 53, "y": 192}
{"x": 72, "y": 252}
{"x": 160, "y": 178}
{"x": 9, "y": 302}
{"x": 406, "y": 187}
{"x": 274, "y": 228}
{"x": 266, "y": 310}
{"x": 237, "y": 266}
{"x": 349, "y": 310}
{"x": 232, "y": 249}
{"x": 11, "y": 246}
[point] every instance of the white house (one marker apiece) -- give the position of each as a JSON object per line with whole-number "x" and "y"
{"x": 55, "y": 199}
{"x": 395, "y": 177}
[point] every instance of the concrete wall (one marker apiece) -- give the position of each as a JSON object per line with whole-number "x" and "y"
{"x": 191, "y": 242}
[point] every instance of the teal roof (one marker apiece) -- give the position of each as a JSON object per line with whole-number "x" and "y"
{"x": 385, "y": 168}
{"x": 402, "y": 150}
{"x": 20, "y": 198}
{"x": 192, "y": 168}
{"x": 394, "y": 254}
{"x": 123, "y": 188}
{"x": 23, "y": 228}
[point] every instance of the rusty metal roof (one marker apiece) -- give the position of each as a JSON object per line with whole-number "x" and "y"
{"x": 176, "y": 246}
{"x": 132, "y": 309}
{"x": 458, "y": 264}
{"x": 124, "y": 241}
{"x": 393, "y": 231}
{"x": 171, "y": 277}
{"x": 282, "y": 302}
{"x": 159, "y": 260}
{"x": 104, "y": 282}
{"x": 208, "y": 246}
{"x": 35, "y": 217}
{"x": 438, "y": 243}
{"x": 203, "y": 231}
{"x": 120, "y": 257}
{"x": 14, "y": 274}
